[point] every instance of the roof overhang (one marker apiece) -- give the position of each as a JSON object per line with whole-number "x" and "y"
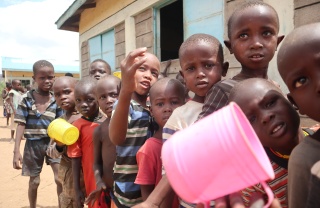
{"x": 70, "y": 19}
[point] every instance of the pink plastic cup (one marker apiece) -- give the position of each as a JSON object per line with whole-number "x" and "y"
{"x": 218, "y": 155}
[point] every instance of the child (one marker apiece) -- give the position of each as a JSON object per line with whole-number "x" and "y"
{"x": 99, "y": 68}
{"x": 165, "y": 96}
{"x": 276, "y": 123}
{"x": 81, "y": 151}
{"x": 6, "y": 104}
{"x": 14, "y": 99}
{"x": 298, "y": 63}
{"x": 253, "y": 39}
{"x": 63, "y": 89}
{"x": 107, "y": 92}
{"x": 36, "y": 110}
{"x": 202, "y": 65}
{"x": 130, "y": 124}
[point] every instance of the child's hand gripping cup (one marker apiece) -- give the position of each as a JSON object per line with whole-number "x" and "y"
{"x": 62, "y": 131}
{"x": 219, "y": 155}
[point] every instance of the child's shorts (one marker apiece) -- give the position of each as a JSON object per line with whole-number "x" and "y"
{"x": 65, "y": 176}
{"x": 34, "y": 155}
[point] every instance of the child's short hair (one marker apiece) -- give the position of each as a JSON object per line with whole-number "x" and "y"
{"x": 201, "y": 37}
{"x": 39, "y": 64}
{"x": 103, "y": 61}
{"x": 245, "y": 6}
{"x": 86, "y": 81}
{"x": 166, "y": 80}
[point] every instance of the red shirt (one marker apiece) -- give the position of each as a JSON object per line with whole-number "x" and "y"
{"x": 83, "y": 148}
{"x": 149, "y": 162}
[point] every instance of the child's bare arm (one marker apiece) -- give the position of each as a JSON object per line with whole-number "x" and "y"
{"x": 97, "y": 157}
{"x": 161, "y": 196}
{"x": 146, "y": 190}
{"x": 17, "y": 158}
{"x": 109, "y": 158}
{"x": 76, "y": 168}
{"x": 118, "y": 127}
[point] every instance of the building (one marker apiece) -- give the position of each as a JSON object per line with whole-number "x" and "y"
{"x": 18, "y": 68}
{"x": 109, "y": 29}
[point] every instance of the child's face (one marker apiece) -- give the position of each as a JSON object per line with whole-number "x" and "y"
{"x": 201, "y": 67}
{"x": 273, "y": 118}
{"x": 98, "y": 70}
{"x": 64, "y": 94}
{"x": 254, "y": 37}
{"x": 44, "y": 77}
{"x": 164, "y": 100}
{"x": 107, "y": 93}
{"x": 300, "y": 70}
{"x": 86, "y": 102}
{"x": 17, "y": 85}
{"x": 147, "y": 74}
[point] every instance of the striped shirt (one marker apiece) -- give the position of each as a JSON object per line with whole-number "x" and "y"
{"x": 36, "y": 123}
{"x": 278, "y": 185}
{"x": 125, "y": 169}
{"x": 217, "y": 97}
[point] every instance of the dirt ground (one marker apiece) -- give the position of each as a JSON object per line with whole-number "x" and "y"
{"x": 13, "y": 186}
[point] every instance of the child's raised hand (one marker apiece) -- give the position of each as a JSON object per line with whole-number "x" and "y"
{"x": 129, "y": 67}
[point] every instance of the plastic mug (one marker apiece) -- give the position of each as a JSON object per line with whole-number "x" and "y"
{"x": 218, "y": 155}
{"x": 59, "y": 129}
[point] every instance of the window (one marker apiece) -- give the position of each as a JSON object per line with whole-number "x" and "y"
{"x": 170, "y": 29}
{"x": 102, "y": 47}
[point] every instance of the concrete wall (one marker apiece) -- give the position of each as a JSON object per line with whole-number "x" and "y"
{"x": 306, "y": 11}
{"x": 120, "y": 44}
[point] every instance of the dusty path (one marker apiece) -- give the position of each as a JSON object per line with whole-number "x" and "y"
{"x": 13, "y": 186}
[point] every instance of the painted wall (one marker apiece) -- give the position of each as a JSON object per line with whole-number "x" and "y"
{"x": 103, "y": 10}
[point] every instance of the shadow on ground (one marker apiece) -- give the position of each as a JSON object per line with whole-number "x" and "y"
{"x": 5, "y": 139}
{"x": 40, "y": 206}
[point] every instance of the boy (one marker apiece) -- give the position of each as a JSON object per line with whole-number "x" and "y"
{"x": 202, "y": 65}
{"x": 298, "y": 63}
{"x": 81, "y": 151}
{"x": 36, "y": 110}
{"x": 165, "y": 96}
{"x": 14, "y": 99}
{"x": 107, "y": 92}
{"x": 63, "y": 89}
{"x": 99, "y": 68}
{"x": 276, "y": 123}
{"x": 253, "y": 39}
{"x": 130, "y": 124}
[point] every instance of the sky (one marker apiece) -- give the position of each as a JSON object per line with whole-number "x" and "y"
{"x": 28, "y": 30}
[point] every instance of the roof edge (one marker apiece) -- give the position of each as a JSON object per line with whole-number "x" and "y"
{"x": 69, "y": 12}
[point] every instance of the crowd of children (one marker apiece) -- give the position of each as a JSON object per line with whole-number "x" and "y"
{"x": 116, "y": 161}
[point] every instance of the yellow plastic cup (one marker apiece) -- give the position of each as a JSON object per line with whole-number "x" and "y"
{"x": 117, "y": 74}
{"x": 59, "y": 129}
